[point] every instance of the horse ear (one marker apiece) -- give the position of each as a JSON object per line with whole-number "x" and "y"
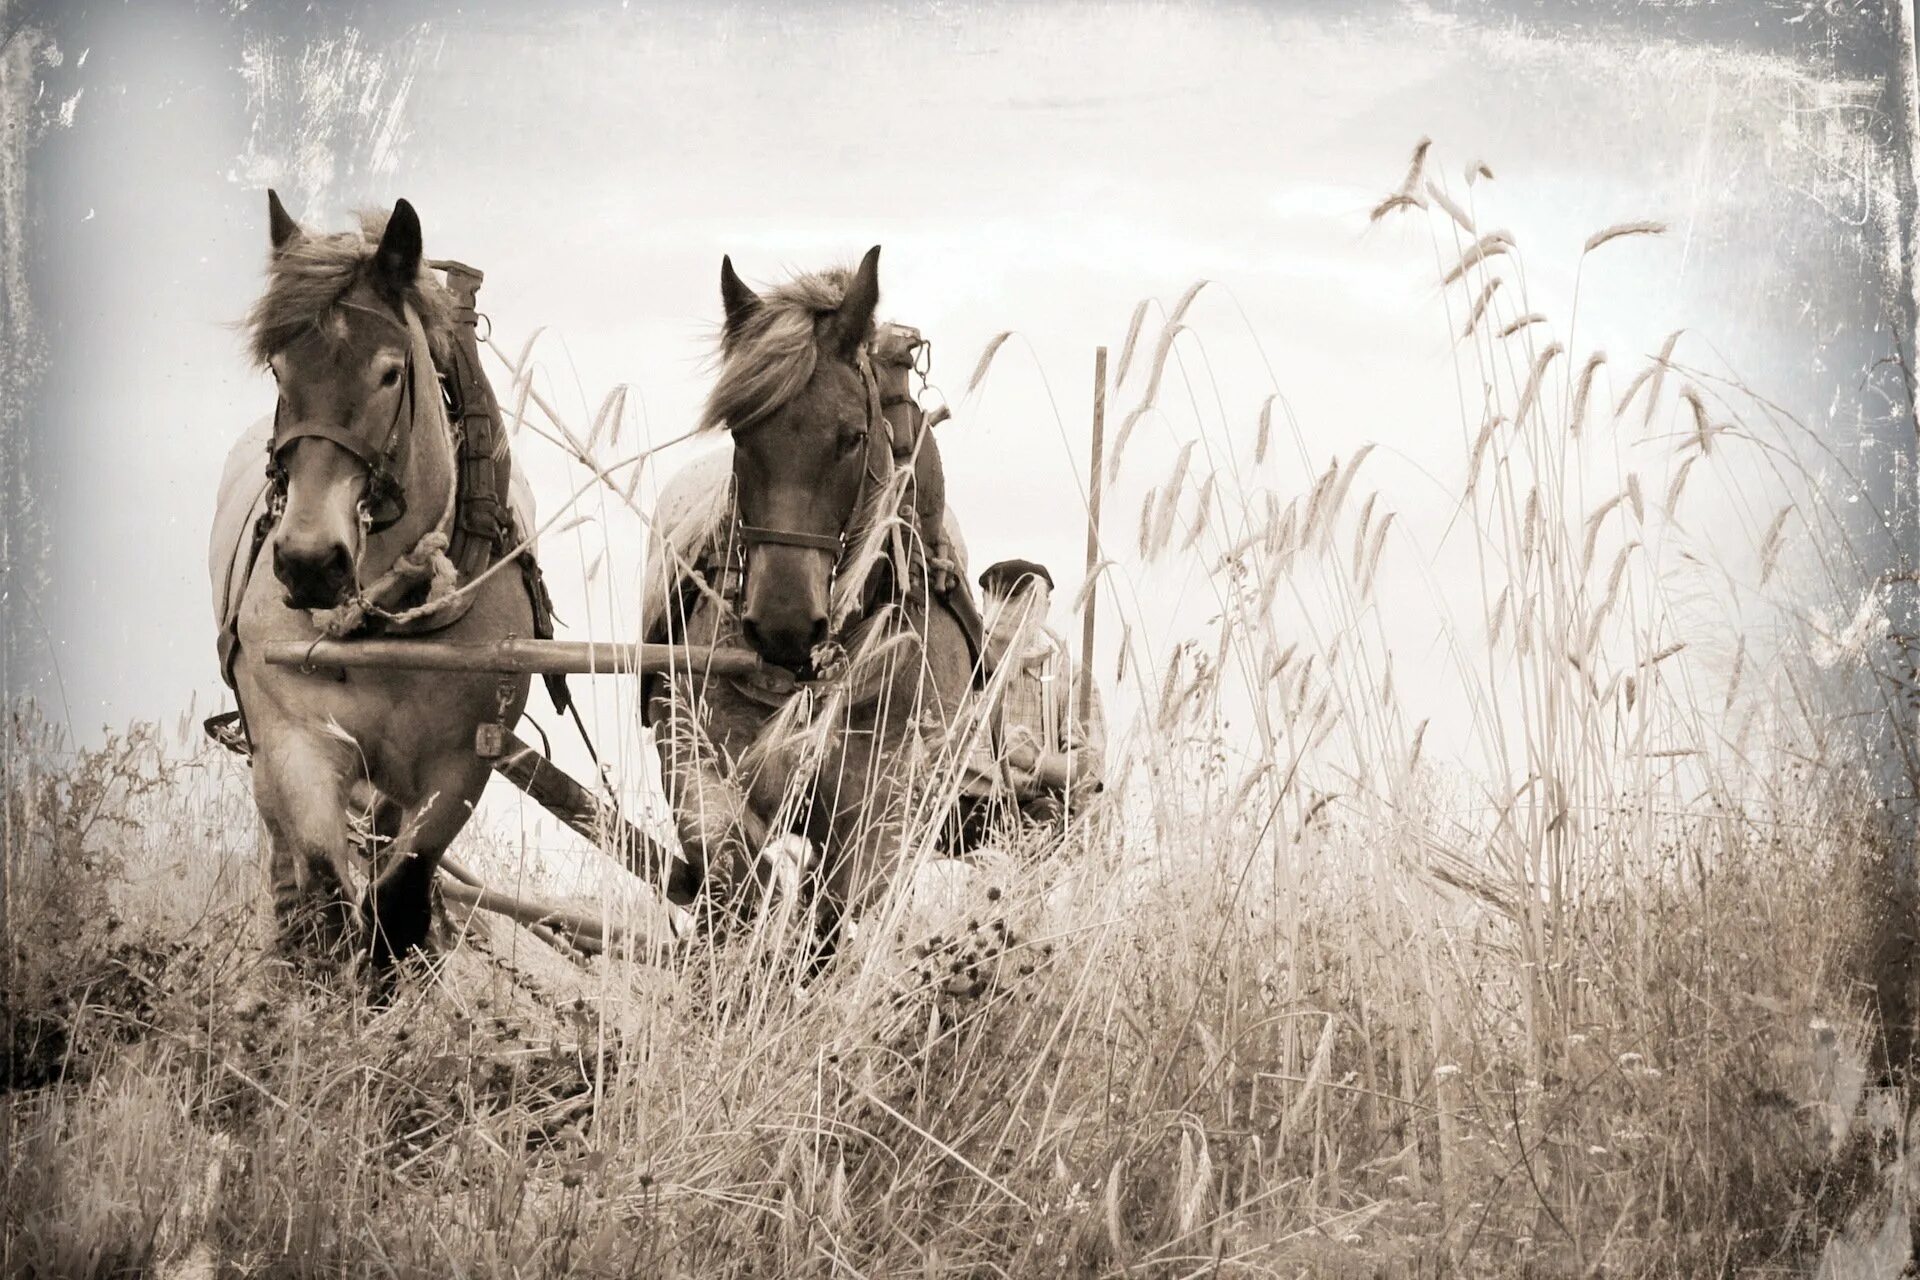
{"x": 280, "y": 224}
{"x": 398, "y": 257}
{"x": 851, "y": 324}
{"x": 739, "y": 300}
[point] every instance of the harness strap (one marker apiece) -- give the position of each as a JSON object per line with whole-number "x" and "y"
{"x": 752, "y": 534}
{"x": 372, "y": 458}
{"x": 385, "y": 504}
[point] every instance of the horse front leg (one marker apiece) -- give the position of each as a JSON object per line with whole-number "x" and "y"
{"x": 873, "y": 830}
{"x": 301, "y": 785}
{"x": 720, "y": 831}
{"x": 397, "y": 909}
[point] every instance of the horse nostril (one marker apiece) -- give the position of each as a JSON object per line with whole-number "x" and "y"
{"x": 751, "y": 630}
{"x": 314, "y": 580}
{"x": 819, "y": 632}
{"x": 339, "y": 566}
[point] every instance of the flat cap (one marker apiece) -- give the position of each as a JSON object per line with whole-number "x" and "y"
{"x": 1004, "y": 575}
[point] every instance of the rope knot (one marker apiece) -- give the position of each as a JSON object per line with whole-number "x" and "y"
{"x": 427, "y": 563}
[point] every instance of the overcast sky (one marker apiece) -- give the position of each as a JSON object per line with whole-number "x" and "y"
{"x": 1034, "y": 168}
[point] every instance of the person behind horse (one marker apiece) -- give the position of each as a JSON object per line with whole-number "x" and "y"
{"x": 1036, "y": 755}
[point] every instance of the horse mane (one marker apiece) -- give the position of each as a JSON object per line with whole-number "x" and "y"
{"x": 308, "y": 280}
{"x": 769, "y": 358}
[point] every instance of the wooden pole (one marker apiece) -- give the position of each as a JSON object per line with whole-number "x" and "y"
{"x": 1093, "y": 529}
{"x": 513, "y": 657}
{"x": 595, "y": 820}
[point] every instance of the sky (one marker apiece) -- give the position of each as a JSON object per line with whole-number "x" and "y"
{"x": 1039, "y": 169}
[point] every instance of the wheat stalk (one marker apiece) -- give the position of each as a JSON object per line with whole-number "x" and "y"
{"x": 1360, "y": 535}
{"x": 1584, "y": 389}
{"x": 1373, "y": 553}
{"x": 1640, "y": 380}
{"x": 1454, "y": 211}
{"x": 1702, "y": 430}
{"x": 1660, "y": 366}
{"x": 1618, "y": 230}
{"x": 1491, "y": 245}
{"x": 1417, "y": 164}
{"x": 1480, "y": 305}
{"x": 1338, "y": 496}
{"x": 1179, "y": 312}
{"x": 1480, "y": 442}
{"x": 1133, "y": 337}
{"x": 1202, "y": 509}
{"x": 1400, "y": 200}
{"x": 1771, "y": 544}
{"x": 986, "y": 359}
{"x": 1316, "y": 501}
{"x": 1532, "y": 391}
{"x": 1678, "y": 483}
{"x": 1593, "y": 529}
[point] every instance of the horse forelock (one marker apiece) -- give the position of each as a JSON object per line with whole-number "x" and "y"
{"x": 771, "y": 356}
{"x": 309, "y": 279}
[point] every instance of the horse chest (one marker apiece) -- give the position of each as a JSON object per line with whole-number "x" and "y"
{"x": 392, "y": 719}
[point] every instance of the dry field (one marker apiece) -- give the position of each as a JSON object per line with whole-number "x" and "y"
{"x": 1602, "y": 995}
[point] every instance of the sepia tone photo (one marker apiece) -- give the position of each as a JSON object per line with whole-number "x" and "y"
{"x": 974, "y": 639}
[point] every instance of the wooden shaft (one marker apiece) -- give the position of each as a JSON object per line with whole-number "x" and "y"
{"x": 596, "y": 821}
{"x": 468, "y": 886}
{"x": 1093, "y": 529}
{"x": 511, "y": 656}
{"x": 564, "y": 923}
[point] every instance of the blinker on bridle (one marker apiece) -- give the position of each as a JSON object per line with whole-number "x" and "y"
{"x": 385, "y": 502}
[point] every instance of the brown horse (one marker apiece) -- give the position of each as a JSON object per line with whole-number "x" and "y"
{"x": 365, "y": 466}
{"x": 816, "y": 558}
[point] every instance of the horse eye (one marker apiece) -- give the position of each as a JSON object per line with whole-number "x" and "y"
{"x": 853, "y": 441}
{"x": 391, "y": 378}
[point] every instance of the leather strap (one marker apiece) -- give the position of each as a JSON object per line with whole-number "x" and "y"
{"x": 386, "y": 500}
{"x": 751, "y": 534}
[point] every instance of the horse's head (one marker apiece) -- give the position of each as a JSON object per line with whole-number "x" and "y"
{"x": 333, "y": 328}
{"x": 798, "y": 395}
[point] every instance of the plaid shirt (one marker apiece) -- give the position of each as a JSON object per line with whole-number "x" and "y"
{"x": 1039, "y": 697}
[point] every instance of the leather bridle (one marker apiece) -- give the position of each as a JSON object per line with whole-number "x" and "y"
{"x": 748, "y": 535}
{"x": 385, "y": 502}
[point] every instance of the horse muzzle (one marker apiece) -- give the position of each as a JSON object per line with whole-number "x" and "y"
{"x": 788, "y": 642}
{"x": 785, "y": 613}
{"x": 315, "y": 578}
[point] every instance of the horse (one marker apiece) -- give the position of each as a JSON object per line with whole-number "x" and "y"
{"x": 365, "y": 471}
{"x": 809, "y": 548}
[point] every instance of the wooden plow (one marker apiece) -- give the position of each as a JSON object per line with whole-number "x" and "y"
{"x": 594, "y": 819}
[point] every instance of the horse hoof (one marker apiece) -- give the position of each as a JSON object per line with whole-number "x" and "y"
{"x": 784, "y": 861}
{"x": 393, "y": 936}
{"x": 319, "y": 931}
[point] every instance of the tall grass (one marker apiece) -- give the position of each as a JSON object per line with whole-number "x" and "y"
{"x": 1313, "y": 996}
